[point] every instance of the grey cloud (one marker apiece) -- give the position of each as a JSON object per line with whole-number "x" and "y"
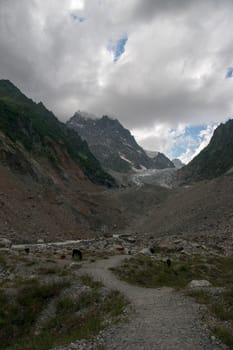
{"x": 148, "y": 9}
{"x": 172, "y": 71}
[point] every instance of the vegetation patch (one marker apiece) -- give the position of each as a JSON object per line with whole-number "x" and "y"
{"x": 220, "y": 306}
{"x": 19, "y": 315}
{"x": 151, "y": 273}
{"x": 225, "y": 334}
{"x": 148, "y": 272}
{"x": 76, "y": 315}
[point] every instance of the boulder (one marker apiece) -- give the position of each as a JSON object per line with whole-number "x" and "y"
{"x": 5, "y": 243}
{"x": 146, "y": 251}
{"x": 166, "y": 246}
{"x": 131, "y": 240}
{"x": 119, "y": 248}
{"x": 199, "y": 284}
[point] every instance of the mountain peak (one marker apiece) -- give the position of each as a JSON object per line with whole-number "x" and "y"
{"x": 84, "y": 115}
{"x": 178, "y": 163}
{"x": 114, "y": 146}
{"x": 36, "y": 128}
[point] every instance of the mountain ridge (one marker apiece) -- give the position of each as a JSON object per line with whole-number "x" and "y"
{"x": 113, "y": 145}
{"x": 38, "y": 130}
{"x": 215, "y": 159}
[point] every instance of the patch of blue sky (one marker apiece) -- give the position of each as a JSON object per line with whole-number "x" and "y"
{"x": 229, "y": 73}
{"x": 117, "y": 47}
{"x": 191, "y": 139}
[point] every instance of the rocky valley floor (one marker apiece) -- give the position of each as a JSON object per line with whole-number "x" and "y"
{"x": 84, "y": 305}
{"x": 129, "y": 308}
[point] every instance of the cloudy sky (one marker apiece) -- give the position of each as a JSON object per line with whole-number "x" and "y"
{"x": 162, "y": 67}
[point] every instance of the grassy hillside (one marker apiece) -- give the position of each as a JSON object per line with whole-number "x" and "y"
{"x": 31, "y": 124}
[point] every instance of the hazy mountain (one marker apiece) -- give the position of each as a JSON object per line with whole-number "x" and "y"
{"x": 215, "y": 159}
{"x": 113, "y": 145}
{"x": 161, "y": 161}
{"x": 178, "y": 164}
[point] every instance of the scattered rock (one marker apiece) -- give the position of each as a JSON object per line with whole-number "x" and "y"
{"x": 119, "y": 248}
{"x": 167, "y": 246}
{"x": 5, "y": 243}
{"x": 199, "y": 284}
{"x": 146, "y": 251}
{"x": 131, "y": 240}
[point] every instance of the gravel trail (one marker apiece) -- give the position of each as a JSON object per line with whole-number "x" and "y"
{"x": 161, "y": 319}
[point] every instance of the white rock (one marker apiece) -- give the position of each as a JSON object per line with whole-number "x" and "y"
{"x": 131, "y": 239}
{"x": 199, "y": 284}
{"x": 146, "y": 251}
{"x": 40, "y": 241}
{"x": 5, "y": 243}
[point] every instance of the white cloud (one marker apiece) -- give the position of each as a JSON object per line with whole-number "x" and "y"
{"x": 76, "y": 5}
{"x": 172, "y": 73}
{"x": 184, "y": 142}
{"x": 160, "y": 137}
{"x": 203, "y": 140}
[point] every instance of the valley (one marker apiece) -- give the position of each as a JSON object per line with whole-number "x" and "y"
{"x": 119, "y": 202}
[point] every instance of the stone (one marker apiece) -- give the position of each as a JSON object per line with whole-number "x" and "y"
{"x": 199, "y": 284}
{"x": 127, "y": 251}
{"x": 119, "y": 247}
{"x": 5, "y": 250}
{"x": 167, "y": 246}
{"x": 131, "y": 240}
{"x": 5, "y": 243}
{"x": 146, "y": 251}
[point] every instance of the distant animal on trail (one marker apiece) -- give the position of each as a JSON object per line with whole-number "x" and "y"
{"x": 77, "y": 254}
{"x": 27, "y": 250}
{"x": 169, "y": 262}
{"x": 152, "y": 250}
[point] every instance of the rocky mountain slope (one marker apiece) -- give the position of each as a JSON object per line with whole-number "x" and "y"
{"x": 34, "y": 129}
{"x": 113, "y": 145}
{"x": 214, "y": 160}
{"x": 201, "y": 211}
{"x": 49, "y": 177}
{"x": 160, "y": 161}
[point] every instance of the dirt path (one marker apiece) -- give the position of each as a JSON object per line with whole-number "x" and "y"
{"x": 162, "y": 319}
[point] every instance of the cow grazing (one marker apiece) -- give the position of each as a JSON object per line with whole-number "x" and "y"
{"x": 27, "y": 250}
{"x": 77, "y": 254}
{"x": 169, "y": 262}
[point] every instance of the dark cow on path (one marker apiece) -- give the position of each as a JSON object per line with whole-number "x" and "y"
{"x": 27, "y": 250}
{"x": 169, "y": 262}
{"x": 77, "y": 254}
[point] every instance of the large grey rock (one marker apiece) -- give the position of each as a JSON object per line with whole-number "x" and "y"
{"x": 167, "y": 246}
{"x": 199, "y": 284}
{"x": 5, "y": 243}
{"x": 130, "y": 239}
{"x": 146, "y": 251}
